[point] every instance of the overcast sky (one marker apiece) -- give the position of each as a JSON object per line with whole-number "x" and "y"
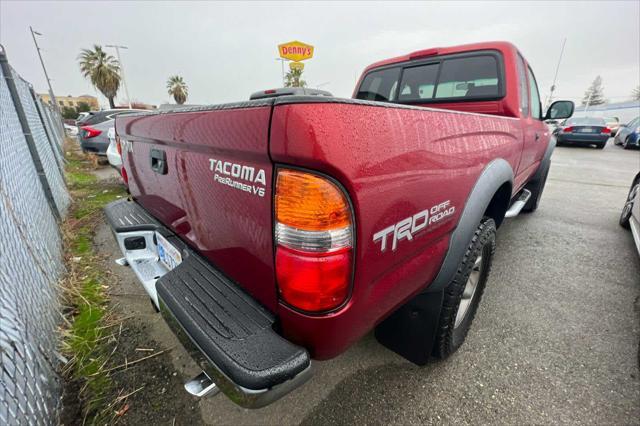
{"x": 225, "y": 51}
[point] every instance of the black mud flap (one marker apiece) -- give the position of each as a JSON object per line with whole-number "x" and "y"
{"x": 411, "y": 330}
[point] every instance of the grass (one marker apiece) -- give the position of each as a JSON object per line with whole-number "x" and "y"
{"x": 87, "y": 316}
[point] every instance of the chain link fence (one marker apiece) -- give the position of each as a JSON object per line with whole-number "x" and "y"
{"x": 33, "y": 200}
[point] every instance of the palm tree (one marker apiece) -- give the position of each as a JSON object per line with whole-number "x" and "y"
{"x": 294, "y": 78}
{"x": 178, "y": 89}
{"x": 102, "y": 69}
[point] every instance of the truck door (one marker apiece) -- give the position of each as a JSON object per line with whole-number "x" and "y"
{"x": 534, "y": 131}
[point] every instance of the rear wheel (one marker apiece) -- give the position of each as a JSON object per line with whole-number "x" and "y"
{"x": 626, "y": 144}
{"x": 601, "y": 146}
{"x": 462, "y": 295}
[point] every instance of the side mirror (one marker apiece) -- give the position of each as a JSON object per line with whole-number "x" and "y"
{"x": 560, "y": 110}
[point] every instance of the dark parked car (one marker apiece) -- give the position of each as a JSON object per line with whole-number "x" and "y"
{"x": 93, "y": 128}
{"x": 583, "y": 131}
{"x": 629, "y": 134}
{"x": 630, "y": 216}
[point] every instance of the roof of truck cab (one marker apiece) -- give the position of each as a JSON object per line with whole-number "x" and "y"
{"x": 502, "y": 46}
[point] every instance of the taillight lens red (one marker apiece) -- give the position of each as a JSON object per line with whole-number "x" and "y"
{"x": 90, "y": 132}
{"x": 118, "y": 146}
{"x": 314, "y": 241}
{"x": 313, "y": 281}
{"x": 125, "y": 177}
{"x": 567, "y": 129}
{"x": 606, "y": 130}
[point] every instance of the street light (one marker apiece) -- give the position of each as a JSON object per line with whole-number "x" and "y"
{"x": 282, "y": 61}
{"x": 46, "y": 75}
{"x": 555, "y": 77}
{"x": 124, "y": 80}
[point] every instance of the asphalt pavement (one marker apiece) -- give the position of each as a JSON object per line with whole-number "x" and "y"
{"x": 555, "y": 339}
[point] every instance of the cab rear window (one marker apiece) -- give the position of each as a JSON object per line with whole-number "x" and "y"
{"x": 470, "y": 77}
{"x": 380, "y": 85}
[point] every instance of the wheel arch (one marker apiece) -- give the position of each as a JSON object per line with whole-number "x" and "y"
{"x": 490, "y": 196}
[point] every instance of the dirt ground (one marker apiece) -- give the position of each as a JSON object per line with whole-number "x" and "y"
{"x": 156, "y": 380}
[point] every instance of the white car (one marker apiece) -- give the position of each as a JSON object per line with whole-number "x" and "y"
{"x": 70, "y": 130}
{"x": 114, "y": 157}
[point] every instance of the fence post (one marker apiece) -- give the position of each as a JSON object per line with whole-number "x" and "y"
{"x": 22, "y": 117}
{"x": 55, "y": 147}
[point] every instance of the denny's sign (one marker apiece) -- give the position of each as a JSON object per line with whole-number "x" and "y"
{"x": 295, "y": 51}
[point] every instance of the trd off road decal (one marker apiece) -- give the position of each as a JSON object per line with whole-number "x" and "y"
{"x": 233, "y": 175}
{"x": 407, "y": 228}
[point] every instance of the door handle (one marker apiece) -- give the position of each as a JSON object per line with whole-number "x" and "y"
{"x": 159, "y": 161}
{"x": 537, "y": 136}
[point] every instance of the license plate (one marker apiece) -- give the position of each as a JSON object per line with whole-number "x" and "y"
{"x": 588, "y": 130}
{"x": 169, "y": 255}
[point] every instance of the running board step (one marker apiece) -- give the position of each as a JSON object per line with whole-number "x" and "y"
{"x": 519, "y": 204}
{"x": 201, "y": 386}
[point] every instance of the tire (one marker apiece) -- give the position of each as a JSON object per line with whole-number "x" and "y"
{"x": 601, "y": 146}
{"x": 626, "y": 144}
{"x": 536, "y": 187}
{"x": 625, "y": 215}
{"x": 457, "y": 312}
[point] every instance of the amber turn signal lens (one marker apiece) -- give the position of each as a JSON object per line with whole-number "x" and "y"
{"x": 309, "y": 202}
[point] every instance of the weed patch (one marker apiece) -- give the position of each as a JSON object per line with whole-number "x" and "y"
{"x": 87, "y": 315}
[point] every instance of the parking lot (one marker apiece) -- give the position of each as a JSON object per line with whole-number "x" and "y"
{"x": 555, "y": 339}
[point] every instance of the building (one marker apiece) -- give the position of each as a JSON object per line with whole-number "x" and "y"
{"x": 72, "y": 101}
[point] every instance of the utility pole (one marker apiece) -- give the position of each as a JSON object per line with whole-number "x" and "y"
{"x": 124, "y": 80}
{"x": 51, "y": 95}
{"x": 555, "y": 77}
{"x": 282, "y": 61}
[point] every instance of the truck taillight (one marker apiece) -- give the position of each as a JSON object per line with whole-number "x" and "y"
{"x": 118, "y": 146}
{"x": 314, "y": 241}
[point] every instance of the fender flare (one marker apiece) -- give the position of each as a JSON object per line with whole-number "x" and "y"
{"x": 495, "y": 174}
{"x": 545, "y": 163}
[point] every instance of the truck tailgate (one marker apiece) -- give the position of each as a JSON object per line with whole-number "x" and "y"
{"x": 206, "y": 174}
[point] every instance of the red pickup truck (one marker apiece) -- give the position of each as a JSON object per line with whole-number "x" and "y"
{"x": 280, "y": 230}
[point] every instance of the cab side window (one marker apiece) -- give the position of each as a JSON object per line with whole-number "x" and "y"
{"x": 523, "y": 88}
{"x": 536, "y": 108}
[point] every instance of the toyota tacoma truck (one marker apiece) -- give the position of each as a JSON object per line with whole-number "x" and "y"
{"x": 279, "y": 230}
